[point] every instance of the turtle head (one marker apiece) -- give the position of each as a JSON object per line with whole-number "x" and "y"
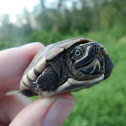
{"x": 88, "y": 64}
{"x": 87, "y": 58}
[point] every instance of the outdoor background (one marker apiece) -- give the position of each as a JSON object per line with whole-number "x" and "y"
{"x": 103, "y": 21}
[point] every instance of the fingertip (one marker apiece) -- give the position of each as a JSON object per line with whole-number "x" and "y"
{"x": 46, "y": 112}
{"x": 13, "y": 63}
{"x": 31, "y": 49}
{"x": 60, "y": 110}
{"x": 33, "y": 114}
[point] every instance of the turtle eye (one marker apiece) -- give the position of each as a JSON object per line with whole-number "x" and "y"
{"x": 78, "y": 52}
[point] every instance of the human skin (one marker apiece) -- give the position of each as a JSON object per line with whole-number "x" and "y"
{"x": 16, "y": 109}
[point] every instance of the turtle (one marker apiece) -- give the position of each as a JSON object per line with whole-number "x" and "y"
{"x": 66, "y": 66}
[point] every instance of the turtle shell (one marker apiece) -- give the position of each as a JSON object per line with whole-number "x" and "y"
{"x": 39, "y": 63}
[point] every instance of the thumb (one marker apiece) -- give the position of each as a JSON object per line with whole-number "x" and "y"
{"x": 46, "y": 112}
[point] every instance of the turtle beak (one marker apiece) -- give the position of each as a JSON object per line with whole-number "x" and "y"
{"x": 93, "y": 68}
{"x": 93, "y": 63}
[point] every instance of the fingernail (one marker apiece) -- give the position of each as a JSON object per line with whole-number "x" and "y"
{"x": 58, "y": 112}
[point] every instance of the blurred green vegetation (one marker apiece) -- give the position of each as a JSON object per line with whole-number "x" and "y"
{"x": 100, "y": 20}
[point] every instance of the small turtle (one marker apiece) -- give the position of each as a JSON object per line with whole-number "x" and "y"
{"x": 65, "y": 66}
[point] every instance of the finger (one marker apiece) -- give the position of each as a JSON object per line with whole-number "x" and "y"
{"x": 13, "y": 62}
{"x": 11, "y": 105}
{"x": 46, "y": 112}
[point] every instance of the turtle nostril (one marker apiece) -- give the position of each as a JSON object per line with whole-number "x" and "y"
{"x": 96, "y": 45}
{"x": 96, "y": 48}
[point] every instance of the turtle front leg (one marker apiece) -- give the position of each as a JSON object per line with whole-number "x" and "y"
{"x": 48, "y": 80}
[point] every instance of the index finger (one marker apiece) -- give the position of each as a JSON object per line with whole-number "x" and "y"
{"x": 13, "y": 62}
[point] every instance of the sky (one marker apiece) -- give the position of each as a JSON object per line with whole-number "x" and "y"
{"x": 15, "y": 7}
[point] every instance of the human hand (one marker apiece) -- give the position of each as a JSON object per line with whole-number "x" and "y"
{"x": 16, "y": 109}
